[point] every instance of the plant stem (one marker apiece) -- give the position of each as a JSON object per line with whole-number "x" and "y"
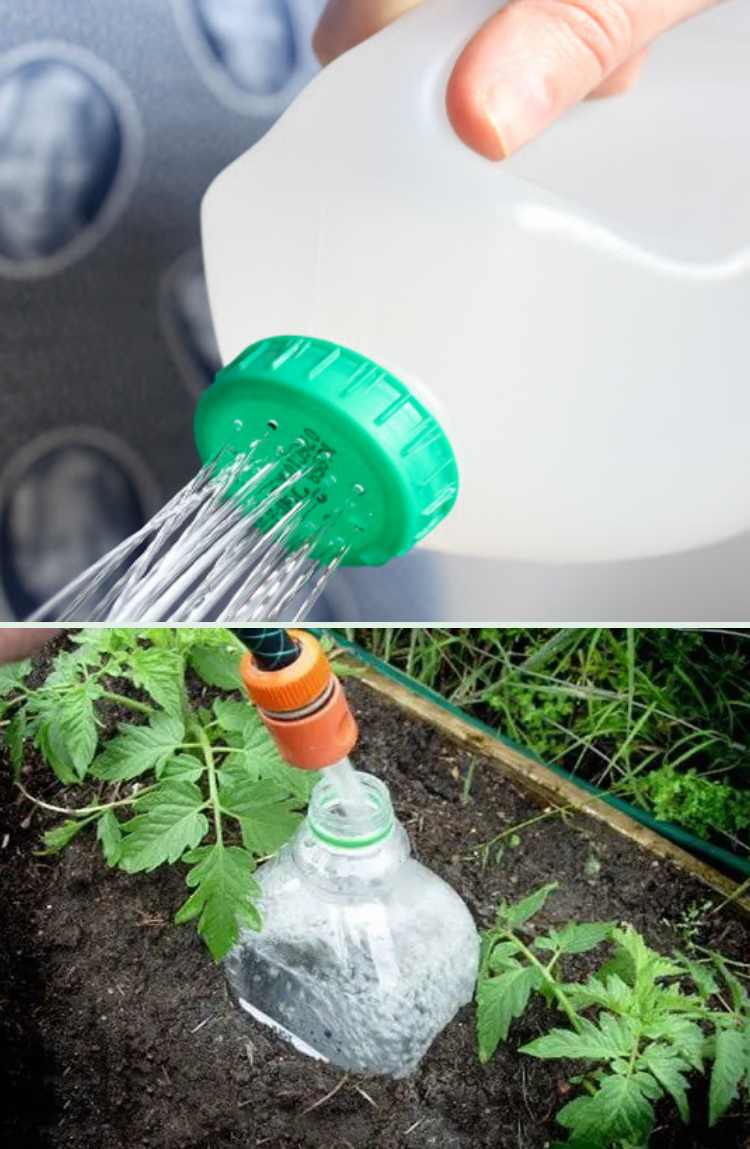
{"x": 726, "y": 960}
{"x": 553, "y": 962}
{"x": 141, "y": 707}
{"x": 548, "y": 813}
{"x": 221, "y": 749}
{"x": 83, "y": 811}
{"x": 213, "y": 790}
{"x": 556, "y": 988}
{"x": 735, "y": 894}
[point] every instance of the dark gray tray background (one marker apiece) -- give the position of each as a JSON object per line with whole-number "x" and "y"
{"x": 85, "y": 347}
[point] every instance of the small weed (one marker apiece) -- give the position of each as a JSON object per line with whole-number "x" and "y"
{"x": 468, "y": 782}
{"x": 691, "y": 923}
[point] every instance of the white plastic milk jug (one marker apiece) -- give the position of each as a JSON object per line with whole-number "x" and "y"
{"x": 574, "y": 319}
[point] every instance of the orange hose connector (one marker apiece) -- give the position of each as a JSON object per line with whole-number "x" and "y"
{"x": 303, "y": 706}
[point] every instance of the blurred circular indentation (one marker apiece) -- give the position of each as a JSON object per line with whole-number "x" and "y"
{"x": 254, "y": 55}
{"x": 66, "y": 499}
{"x": 70, "y": 141}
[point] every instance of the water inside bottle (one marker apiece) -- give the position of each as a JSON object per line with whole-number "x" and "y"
{"x": 364, "y": 954}
{"x": 382, "y": 1014}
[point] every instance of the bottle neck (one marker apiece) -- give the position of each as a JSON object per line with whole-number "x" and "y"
{"x": 351, "y": 850}
{"x": 352, "y": 818}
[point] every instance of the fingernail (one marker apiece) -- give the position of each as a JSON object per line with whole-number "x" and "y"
{"x": 518, "y": 105}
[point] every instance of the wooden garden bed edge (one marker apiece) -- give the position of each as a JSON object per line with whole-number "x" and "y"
{"x": 542, "y": 781}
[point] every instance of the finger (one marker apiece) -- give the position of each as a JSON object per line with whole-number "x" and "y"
{"x": 536, "y": 58}
{"x": 345, "y": 23}
{"x": 623, "y": 78}
{"x": 21, "y": 642}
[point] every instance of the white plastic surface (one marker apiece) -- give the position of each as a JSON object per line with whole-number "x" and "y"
{"x": 576, "y": 316}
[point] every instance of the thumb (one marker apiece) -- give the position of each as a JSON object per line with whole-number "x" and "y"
{"x": 536, "y": 58}
{"x": 17, "y": 642}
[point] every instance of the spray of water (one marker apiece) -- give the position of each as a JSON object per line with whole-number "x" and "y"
{"x": 350, "y": 793}
{"x": 235, "y": 544}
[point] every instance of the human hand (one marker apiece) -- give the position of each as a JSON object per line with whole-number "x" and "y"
{"x": 529, "y": 63}
{"x": 21, "y": 642}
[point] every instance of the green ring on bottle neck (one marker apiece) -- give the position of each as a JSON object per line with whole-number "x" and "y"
{"x": 353, "y": 843}
{"x": 380, "y": 803}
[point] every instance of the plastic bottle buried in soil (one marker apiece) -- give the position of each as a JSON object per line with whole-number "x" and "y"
{"x": 365, "y": 955}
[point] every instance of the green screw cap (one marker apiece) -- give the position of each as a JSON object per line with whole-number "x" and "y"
{"x": 383, "y": 471}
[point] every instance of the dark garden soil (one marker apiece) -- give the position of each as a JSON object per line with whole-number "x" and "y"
{"x": 117, "y": 1031}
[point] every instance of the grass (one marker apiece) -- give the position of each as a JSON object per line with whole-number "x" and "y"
{"x": 659, "y": 715}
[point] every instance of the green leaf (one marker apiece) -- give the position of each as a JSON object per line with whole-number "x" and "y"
{"x": 233, "y": 717}
{"x": 661, "y": 999}
{"x": 53, "y": 747}
{"x": 259, "y": 760}
{"x": 162, "y": 636}
{"x": 728, "y": 1071}
{"x": 240, "y": 790}
{"x": 138, "y": 749}
{"x": 620, "y": 965}
{"x": 298, "y": 783}
{"x": 685, "y": 1035}
{"x": 612, "y": 993}
{"x": 580, "y": 938}
{"x": 105, "y": 638}
{"x": 187, "y": 637}
{"x": 183, "y": 767}
{"x": 223, "y": 891}
{"x": 669, "y": 1068}
{"x": 206, "y": 720}
{"x": 503, "y": 956}
{"x": 267, "y": 820}
{"x": 620, "y": 1110}
{"x": 217, "y": 665}
{"x": 270, "y": 828}
{"x": 268, "y": 816}
{"x": 612, "y": 1037}
{"x": 93, "y": 643}
{"x": 66, "y": 671}
{"x": 58, "y": 838}
{"x": 515, "y": 915}
{"x": 12, "y": 675}
{"x": 161, "y": 673}
{"x": 259, "y": 749}
{"x": 76, "y": 722}
{"x": 169, "y": 822}
{"x": 701, "y": 974}
{"x": 648, "y": 965}
{"x": 15, "y": 734}
{"x": 499, "y": 1000}
{"x": 576, "y": 938}
{"x": 110, "y": 837}
{"x": 740, "y": 1000}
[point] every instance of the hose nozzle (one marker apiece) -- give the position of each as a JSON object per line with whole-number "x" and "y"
{"x": 303, "y": 705}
